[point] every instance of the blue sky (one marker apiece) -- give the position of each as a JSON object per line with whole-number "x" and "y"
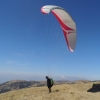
{"x": 32, "y": 44}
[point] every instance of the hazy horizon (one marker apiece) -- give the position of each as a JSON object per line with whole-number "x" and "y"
{"x": 4, "y": 77}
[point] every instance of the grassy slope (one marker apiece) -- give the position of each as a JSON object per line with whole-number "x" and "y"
{"x": 59, "y": 92}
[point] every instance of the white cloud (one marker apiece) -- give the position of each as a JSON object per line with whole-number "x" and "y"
{"x": 63, "y": 77}
{"x": 10, "y": 62}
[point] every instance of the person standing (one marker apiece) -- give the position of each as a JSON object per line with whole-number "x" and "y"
{"x": 49, "y": 83}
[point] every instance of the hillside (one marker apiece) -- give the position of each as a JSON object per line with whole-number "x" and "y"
{"x": 19, "y": 84}
{"x": 76, "y": 91}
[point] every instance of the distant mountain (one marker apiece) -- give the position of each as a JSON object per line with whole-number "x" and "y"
{"x": 81, "y": 81}
{"x": 18, "y": 84}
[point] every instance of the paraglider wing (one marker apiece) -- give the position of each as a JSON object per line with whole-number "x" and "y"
{"x": 66, "y": 22}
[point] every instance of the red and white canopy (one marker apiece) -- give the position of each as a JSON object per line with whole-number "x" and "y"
{"x": 66, "y": 22}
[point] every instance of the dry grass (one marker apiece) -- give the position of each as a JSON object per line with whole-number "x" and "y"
{"x": 59, "y": 92}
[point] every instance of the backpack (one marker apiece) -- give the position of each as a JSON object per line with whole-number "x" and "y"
{"x": 52, "y": 82}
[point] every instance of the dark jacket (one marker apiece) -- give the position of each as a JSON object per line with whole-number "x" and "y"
{"x": 49, "y": 83}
